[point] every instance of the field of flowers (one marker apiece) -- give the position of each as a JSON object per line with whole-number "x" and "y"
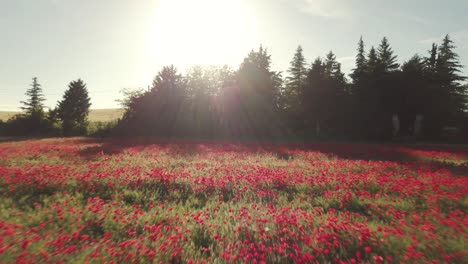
{"x": 81, "y": 200}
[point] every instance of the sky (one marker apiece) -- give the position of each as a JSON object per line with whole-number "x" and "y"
{"x": 117, "y": 44}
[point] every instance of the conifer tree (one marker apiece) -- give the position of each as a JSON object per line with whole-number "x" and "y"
{"x": 361, "y": 61}
{"x": 258, "y": 93}
{"x": 296, "y": 79}
{"x": 448, "y": 70}
{"x": 74, "y": 108}
{"x": 431, "y": 61}
{"x": 33, "y": 106}
{"x": 372, "y": 60}
{"x": 386, "y": 58}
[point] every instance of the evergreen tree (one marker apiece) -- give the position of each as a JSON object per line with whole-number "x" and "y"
{"x": 386, "y": 59}
{"x": 324, "y": 97}
{"x": 372, "y": 60}
{"x": 333, "y": 69}
{"x": 358, "y": 101}
{"x": 169, "y": 81}
{"x": 74, "y": 108}
{"x": 254, "y": 112}
{"x": 167, "y": 104}
{"x": 413, "y": 94}
{"x": 34, "y": 107}
{"x": 430, "y": 63}
{"x": 296, "y": 79}
{"x": 313, "y": 97}
{"x": 453, "y": 97}
{"x": 361, "y": 62}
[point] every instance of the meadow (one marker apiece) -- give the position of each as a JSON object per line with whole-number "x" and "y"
{"x": 95, "y": 115}
{"x": 82, "y": 200}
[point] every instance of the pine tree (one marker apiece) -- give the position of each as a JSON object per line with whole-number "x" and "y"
{"x": 168, "y": 80}
{"x": 372, "y": 60}
{"x": 296, "y": 79}
{"x": 333, "y": 68}
{"x": 361, "y": 62}
{"x": 34, "y": 107}
{"x": 313, "y": 96}
{"x": 430, "y": 62}
{"x": 448, "y": 70}
{"x": 166, "y": 107}
{"x": 387, "y": 61}
{"x": 414, "y": 96}
{"x": 448, "y": 63}
{"x": 324, "y": 97}
{"x": 74, "y": 108}
{"x": 258, "y": 95}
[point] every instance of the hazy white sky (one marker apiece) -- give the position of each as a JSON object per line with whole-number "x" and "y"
{"x": 115, "y": 44}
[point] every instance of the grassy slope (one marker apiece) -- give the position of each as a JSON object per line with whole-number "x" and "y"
{"x": 95, "y": 115}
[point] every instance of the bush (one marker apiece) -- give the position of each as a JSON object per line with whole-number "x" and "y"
{"x": 23, "y": 125}
{"x": 101, "y": 129}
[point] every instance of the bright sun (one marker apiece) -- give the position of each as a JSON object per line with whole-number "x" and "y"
{"x": 206, "y": 32}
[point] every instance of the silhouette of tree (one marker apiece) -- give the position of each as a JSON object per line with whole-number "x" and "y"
{"x": 296, "y": 79}
{"x": 372, "y": 60}
{"x": 324, "y": 96}
{"x": 290, "y": 99}
{"x": 313, "y": 97}
{"x": 253, "y": 110}
{"x": 255, "y": 103}
{"x": 412, "y": 94}
{"x": 386, "y": 59}
{"x": 204, "y": 86}
{"x": 448, "y": 71}
{"x": 359, "y": 71}
{"x": 73, "y": 109}
{"x": 33, "y": 106}
{"x": 430, "y": 63}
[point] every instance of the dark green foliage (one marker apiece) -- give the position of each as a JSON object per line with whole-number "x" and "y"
{"x": 208, "y": 103}
{"x": 386, "y": 59}
{"x": 160, "y": 110}
{"x": 295, "y": 81}
{"x": 372, "y": 61}
{"x": 324, "y": 98}
{"x": 361, "y": 64}
{"x": 24, "y": 125}
{"x": 33, "y": 121}
{"x": 33, "y": 106}
{"x": 254, "y": 103}
{"x": 448, "y": 70}
{"x": 74, "y": 108}
{"x": 446, "y": 97}
{"x": 253, "y": 110}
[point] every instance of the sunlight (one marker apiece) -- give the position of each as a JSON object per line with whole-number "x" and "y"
{"x": 206, "y": 32}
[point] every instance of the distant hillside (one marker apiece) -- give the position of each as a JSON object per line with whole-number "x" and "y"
{"x": 95, "y": 115}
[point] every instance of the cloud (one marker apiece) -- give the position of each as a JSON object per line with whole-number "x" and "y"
{"x": 323, "y": 8}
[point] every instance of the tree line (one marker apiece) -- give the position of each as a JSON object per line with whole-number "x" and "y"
{"x": 379, "y": 100}
{"x": 68, "y": 118}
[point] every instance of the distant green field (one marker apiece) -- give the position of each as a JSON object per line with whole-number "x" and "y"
{"x": 95, "y": 115}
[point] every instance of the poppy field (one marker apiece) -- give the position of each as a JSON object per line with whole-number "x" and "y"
{"x": 82, "y": 200}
